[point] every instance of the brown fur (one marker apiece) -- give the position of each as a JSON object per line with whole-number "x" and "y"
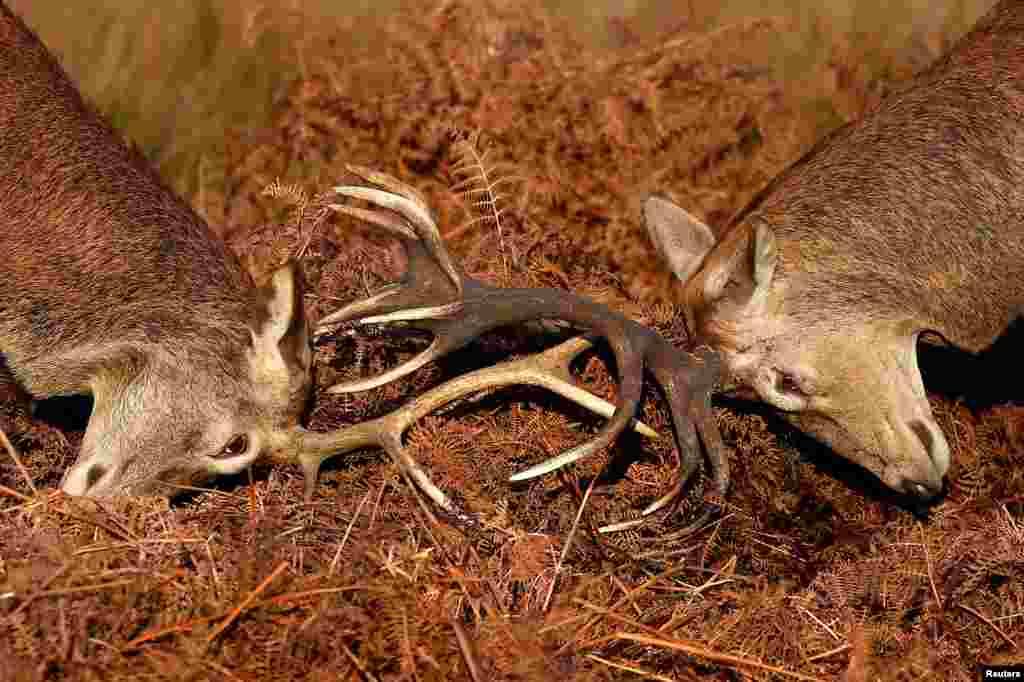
{"x": 914, "y": 212}
{"x": 908, "y": 221}
{"x": 110, "y": 284}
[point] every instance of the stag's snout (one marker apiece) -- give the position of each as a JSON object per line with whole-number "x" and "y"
{"x": 922, "y": 477}
{"x": 89, "y": 479}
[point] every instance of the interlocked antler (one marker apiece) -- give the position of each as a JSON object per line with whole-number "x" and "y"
{"x": 434, "y": 295}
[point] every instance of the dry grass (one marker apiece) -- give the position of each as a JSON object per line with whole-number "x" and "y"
{"x": 806, "y": 575}
{"x": 175, "y": 76}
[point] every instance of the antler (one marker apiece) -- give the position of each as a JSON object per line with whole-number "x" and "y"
{"x": 434, "y": 295}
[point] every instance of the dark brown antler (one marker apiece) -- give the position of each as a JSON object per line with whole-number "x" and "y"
{"x": 435, "y": 296}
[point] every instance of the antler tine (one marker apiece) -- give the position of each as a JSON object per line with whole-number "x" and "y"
{"x": 390, "y": 223}
{"x": 689, "y": 399}
{"x": 412, "y": 206}
{"x": 474, "y": 308}
{"x": 390, "y": 183}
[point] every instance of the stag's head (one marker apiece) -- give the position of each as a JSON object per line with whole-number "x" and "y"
{"x": 841, "y": 374}
{"x": 164, "y": 418}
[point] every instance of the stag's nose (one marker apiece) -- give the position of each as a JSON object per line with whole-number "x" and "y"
{"x": 923, "y": 490}
{"x": 928, "y": 483}
{"x": 87, "y": 479}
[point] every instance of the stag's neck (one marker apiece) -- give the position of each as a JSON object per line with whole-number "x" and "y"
{"x": 911, "y": 213}
{"x": 105, "y": 231}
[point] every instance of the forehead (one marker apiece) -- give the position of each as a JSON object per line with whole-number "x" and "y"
{"x": 818, "y": 336}
{"x": 196, "y": 385}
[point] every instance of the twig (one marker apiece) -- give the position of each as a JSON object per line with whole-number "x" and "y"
{"x": 357, "y": 663}
{"x": 928, "y": 563}
{"x": 32, "y": 597}
{"x": 695, "y": 650}
{"x": 248, "y": 600}
{"x": 376, "y": 505}
{"x": 1008, "y": 617}
{"x": 117, "y": 533}
{"x": 608, "y": 613}
{"x": 14, "y": 493}
{"x": 17, "y": 461}
{"x": 201, "y": 489}
{"x": 188, "y": 626}
{"x": 213, "y": 566}
{"x": 567, "y": 545}
{"x": 647, "y": 674}
{"x": 135, "y": 544}
{"x": 622, "y": 601}
{"x": 344, "y": 539}
{"x": 407, "y": 645}
{"x": 832, "y": 652}
{"x": 622, "y": 588}
{"x": 83, "y": 588}
{"x": 818, "y": 621}
{"x": 216, "y": 667}
{"x": 986, "y": 620}
{"x": 562, "y": 623}
{"x": 34, "y": 502}
{"x": 466, "y": 647}
{"x": 65, "y": 635}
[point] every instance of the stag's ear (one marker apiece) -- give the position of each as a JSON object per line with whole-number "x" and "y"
{"x": 280, "y": 333}
{"x": 741, "y": 269}
{"x": 682, "y": 240}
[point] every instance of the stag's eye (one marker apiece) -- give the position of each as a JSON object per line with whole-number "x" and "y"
{"x": 787, "y": 383}
{"x": 235, "y": 447}
{"x": 792, "y": 384}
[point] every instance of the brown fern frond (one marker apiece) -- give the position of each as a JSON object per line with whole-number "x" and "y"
{"x": 479, "y": 187}
{"x": 297, "y": 197}
{"x": 293, "y": 194}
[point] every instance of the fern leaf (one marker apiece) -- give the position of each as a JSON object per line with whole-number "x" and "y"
{"x": 477, "y": 185}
